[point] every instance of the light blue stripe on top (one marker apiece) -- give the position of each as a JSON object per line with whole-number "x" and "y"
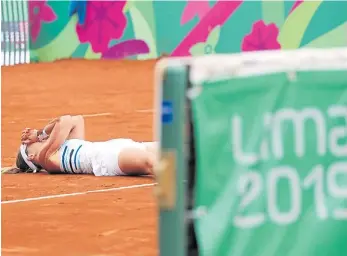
{"x": 75, "y": 158}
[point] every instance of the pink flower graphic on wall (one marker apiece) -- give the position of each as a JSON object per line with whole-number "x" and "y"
{"x": 296, "y": 4}
{"x": 207, "y": 47}
{"x": 104, "y": 21}
{"x": 39, "y": 12}
{"x": 262, "y": 37}
{"x": 193, "y": 8}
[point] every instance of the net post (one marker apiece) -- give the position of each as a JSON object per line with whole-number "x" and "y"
{"x": 172, "y": 168}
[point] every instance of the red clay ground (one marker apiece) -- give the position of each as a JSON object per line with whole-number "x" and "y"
{"x": 121, "y": 222}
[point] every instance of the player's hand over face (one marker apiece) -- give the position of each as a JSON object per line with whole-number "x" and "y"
{"x": 29, "y": 136}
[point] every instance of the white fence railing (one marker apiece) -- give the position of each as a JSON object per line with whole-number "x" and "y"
{"x": 14, "y": 32}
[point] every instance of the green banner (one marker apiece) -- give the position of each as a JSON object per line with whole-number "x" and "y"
{"x": 272, "y": 165}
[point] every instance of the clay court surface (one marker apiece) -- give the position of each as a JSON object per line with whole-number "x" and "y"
{"x": 119, "y": 215}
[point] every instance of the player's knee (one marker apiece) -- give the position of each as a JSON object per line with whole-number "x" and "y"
{"x": 78, "y": 118}
{"x": 145, "y": 163}
{"x": 136, "y": 161}
{"x": 149, "y": 163}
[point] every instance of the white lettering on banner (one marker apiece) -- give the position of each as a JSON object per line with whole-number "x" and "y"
{"x": 273, "y": 122}
{"x": 236, "y": 137}
{"x": 328, "y": 185}
{"x": 338, "y": 133}
{"x": 289, "y": 173}
{"x": 337, "y": 191}
{"x": 264, "y": 146}
{"x": 315, "y": 180}
{"x": 298, "y": 119}
{"x": 252, "y": 180}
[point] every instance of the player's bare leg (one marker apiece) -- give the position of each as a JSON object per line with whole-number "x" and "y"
{"x": 136, "y": 161}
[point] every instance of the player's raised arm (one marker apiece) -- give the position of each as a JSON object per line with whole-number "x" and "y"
{"x": 30, "y": 136}
{"x": 60, "y": 132}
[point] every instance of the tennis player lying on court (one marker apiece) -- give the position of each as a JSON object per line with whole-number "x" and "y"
{"x": 60, "y": 147}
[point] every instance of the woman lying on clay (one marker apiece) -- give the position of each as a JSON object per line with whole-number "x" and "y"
{"x": 60, "y": 147}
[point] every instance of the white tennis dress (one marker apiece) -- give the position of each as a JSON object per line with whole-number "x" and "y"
{"x": 98, "y": 158}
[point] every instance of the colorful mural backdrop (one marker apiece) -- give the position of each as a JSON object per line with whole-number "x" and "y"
{"x": 148, "y": 29}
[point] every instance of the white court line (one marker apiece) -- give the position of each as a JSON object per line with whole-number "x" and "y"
{"x": 77, "y": 193}
{"x": 87, "y": 115}
{"x": 150, "y": 110}
{"x": 47, "y": 119}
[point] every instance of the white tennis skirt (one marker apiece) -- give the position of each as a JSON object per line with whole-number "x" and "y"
{"x": 106, "y": 154}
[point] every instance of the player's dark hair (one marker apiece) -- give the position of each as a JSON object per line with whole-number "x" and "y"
{"x": 22, "y": 165}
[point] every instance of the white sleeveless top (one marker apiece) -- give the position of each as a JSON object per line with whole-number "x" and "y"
{"x": 76, "y": 156}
